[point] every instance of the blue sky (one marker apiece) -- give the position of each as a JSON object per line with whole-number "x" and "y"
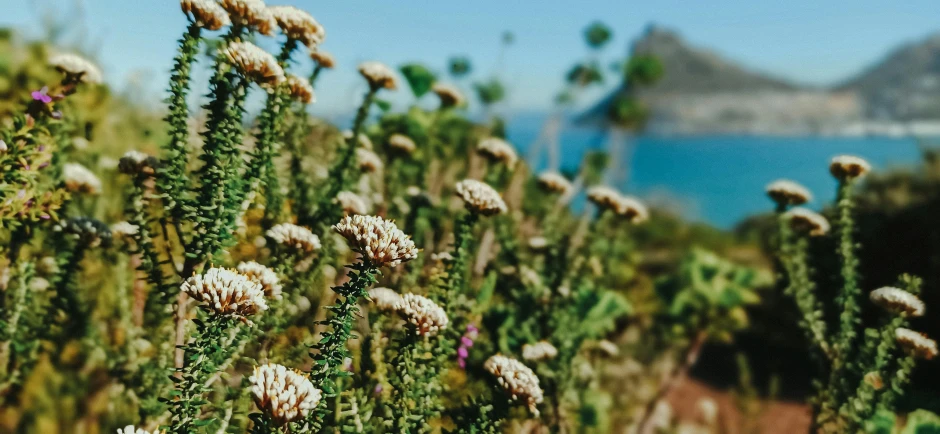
{"x": 811, "y": 41}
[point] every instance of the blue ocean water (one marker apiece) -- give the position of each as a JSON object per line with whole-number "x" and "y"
{"x": 720, "y": 180}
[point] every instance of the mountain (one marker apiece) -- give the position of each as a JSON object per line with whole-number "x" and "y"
{"x": 905, "y": 85}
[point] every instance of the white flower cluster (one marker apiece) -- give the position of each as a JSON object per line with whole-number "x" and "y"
{"x": 384, "y": 298}
{"x": 206, "y": 13}
{"x": 300, "y": 89}
{"x": 608, "y": 198}
{"x": 898, "y": 300}
{"x": 916, "y": 343}
{"x": 250, "y": 13}
{"x": 848, "y": 167}
{"x": 449, "y": 95}
{"x": 542, "y": 350}
{"x": 424, "y": 314}
{"x": 226, "y": 292}
{"x": 378, "y": 240}
{"x": 131, "y": 429}
{"x": 124, "y": 229}
{"x": 480, "y": 198}
{"x": 554, "y": 182}
{"x": 368, "y": 161}
{"x": 266, "y": 277}
{"x": 323, "y": 58}
{"x": 806, "y": 221}
{"x": 786, "y": 192}
{"x": 78, "y": 179}
{"x": 496, "y": 149}
{"x": 378, "y": 75}
{"x": 297, "y": 237}
{"x": 298, "y": 24}
{"x": 282, "y": 393}
{"x": 351, "y": 203}
{"x": 517, "y": 379}
{"x": 76, "y": 67}
{"x": 254, "y": 63}
{"x": 402, "y": 143}
{"x": 136, "y": 162}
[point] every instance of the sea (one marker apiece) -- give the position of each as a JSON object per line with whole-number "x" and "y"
{"x": 720, "y": 179}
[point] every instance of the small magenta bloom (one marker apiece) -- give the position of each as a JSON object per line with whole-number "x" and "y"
{"x": 42, "y": 95}
{"x": 462, "y": 352}
{"x": 466, "y": 341}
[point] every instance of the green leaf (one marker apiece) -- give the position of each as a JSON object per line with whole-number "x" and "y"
{"x": 419, "y": 78}
{"x": 383, "y": 105}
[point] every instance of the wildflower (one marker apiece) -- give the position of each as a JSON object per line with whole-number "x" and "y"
{"x": 297, "y": 237}
{"x": 42, "y": 95}
{"x": 206, "y": 13}
{"x": 539, "y": 351}
{"x": 250, "y": 13}
{"x": 449, "y": 95}
{"x": 916, "y": 344}
{"x": 368, "y": 160}
{"x": 136, "y": 162}
{"x": 426, "y": 315}
{"x": 284, "y": 394}
{"x": 497, "y": 150}
{"x": 538, "y": 243}
{"x": 124, "y": 229}
{"x": 226, "y": 292}
{"x": 80, "y": 143}
{"x": 480, "y": 198}
{"x": 130, "y": 429}
{"x": 351, "y": 203}
{"x": 363, "y": 140}
{"x": 402, "y": 143}
{"x": 300, "y": 89}
{"x": 78, "y": 179}
{"x": 517, "y": 379}
{"x": 898, "y": 300}
{"x": 786, "y": 192}
{"x": 605, "y": 198}
{"x": 378, "y": 75}
{"x": 466, "y": 342}
{"x": 254, "y": 63}
{"x": 39, "y": 284}
{"x": 323, "y": 58}
{"x": 442, "y": 256}
{"x": 378, "y": 240}
{"x": 3, "y": 146}
{"x": 266, "y": 277}
{"x": 298, "y": 24}
{"x": 608, "y": 348}
{"x": 804, "y": 220}
{"x": 384, "y": 298}
{"x": 848, "y": 167}
{"x": 554, "y": 182}
{"x": 86, "y": 231}
{"x": 633, "y": 210}
{"x": 76, "y": 68}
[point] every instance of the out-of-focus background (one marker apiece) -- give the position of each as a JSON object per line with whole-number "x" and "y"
{"x": 750, "y": 92}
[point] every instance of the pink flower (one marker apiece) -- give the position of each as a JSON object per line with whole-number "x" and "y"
{"x": 42, "y": 95}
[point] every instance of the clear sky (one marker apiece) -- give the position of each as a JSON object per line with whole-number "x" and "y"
{"x": 811, "y": 41}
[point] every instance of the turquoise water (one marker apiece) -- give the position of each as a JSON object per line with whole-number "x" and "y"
{"x": 720, "y": 180}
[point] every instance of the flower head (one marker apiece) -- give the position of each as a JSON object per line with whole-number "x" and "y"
{"x": 298, "y": 24}
{"x": 378, "y": 75}
{"x": 266, "y": 277}
{"x": 521, "y": 383}
{"x": 282, "y": 393}
{"x": 898, "y": 301}
{"x": 633, "y": 210}
{"x": 424, "y": 314}
{"x": 254, "y": 63}
{"x": 226, "y": 292}
{"x": 378, "y": 240}
{"x": 605, "y": 197}
{"x": 76, "y": 68}
{"x": 848, "y": 167}
{"x": 384, "y": 298}
{"x": 609, "y": 348}
{"x": 42, "y": 95}
{"x": 806, "y": 221}
{"x": 480, "y": 198}
{"x": 300, "y": 89}
{"x": 351, "y": 203}
{"x": 554, "y": 182}
{"x": 297, "y": 237}
{"x": 402, "y": 143}
{"x": 324, "y": 59}
{"x": 915, "y": 343}
{"x": 250, "y": 13}
{"x": 449, "y": 95}
{"x": 124, "y": 230}
{"x": 538, "y": 243}
{"x": 362, "y": 140}
{"x": 88, "y": 232}
{"x": 539, "y": 351}
{"x": 78, "y": 179}
{"x": 206, "y": 13}
{"x": 497, "y": 150}
{"x": 786, "y": 192}
{"x": 368, "y": 161}
{"x": 136, "y": 162}
{"x": 131, "y": 429}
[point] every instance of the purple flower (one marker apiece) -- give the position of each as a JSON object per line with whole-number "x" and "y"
{"x": 378, "y": 389}
{"x": 56, "y": 115}
{"x": 44, "y": 216}
{"x": 42, "y": 95}
{"x": 462, "y": 352}
{"x": 462, "y": 363}
{"x": 466, "y": 341}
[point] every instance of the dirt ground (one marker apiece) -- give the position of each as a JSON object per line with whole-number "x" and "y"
{"x": 776, "y": 417}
